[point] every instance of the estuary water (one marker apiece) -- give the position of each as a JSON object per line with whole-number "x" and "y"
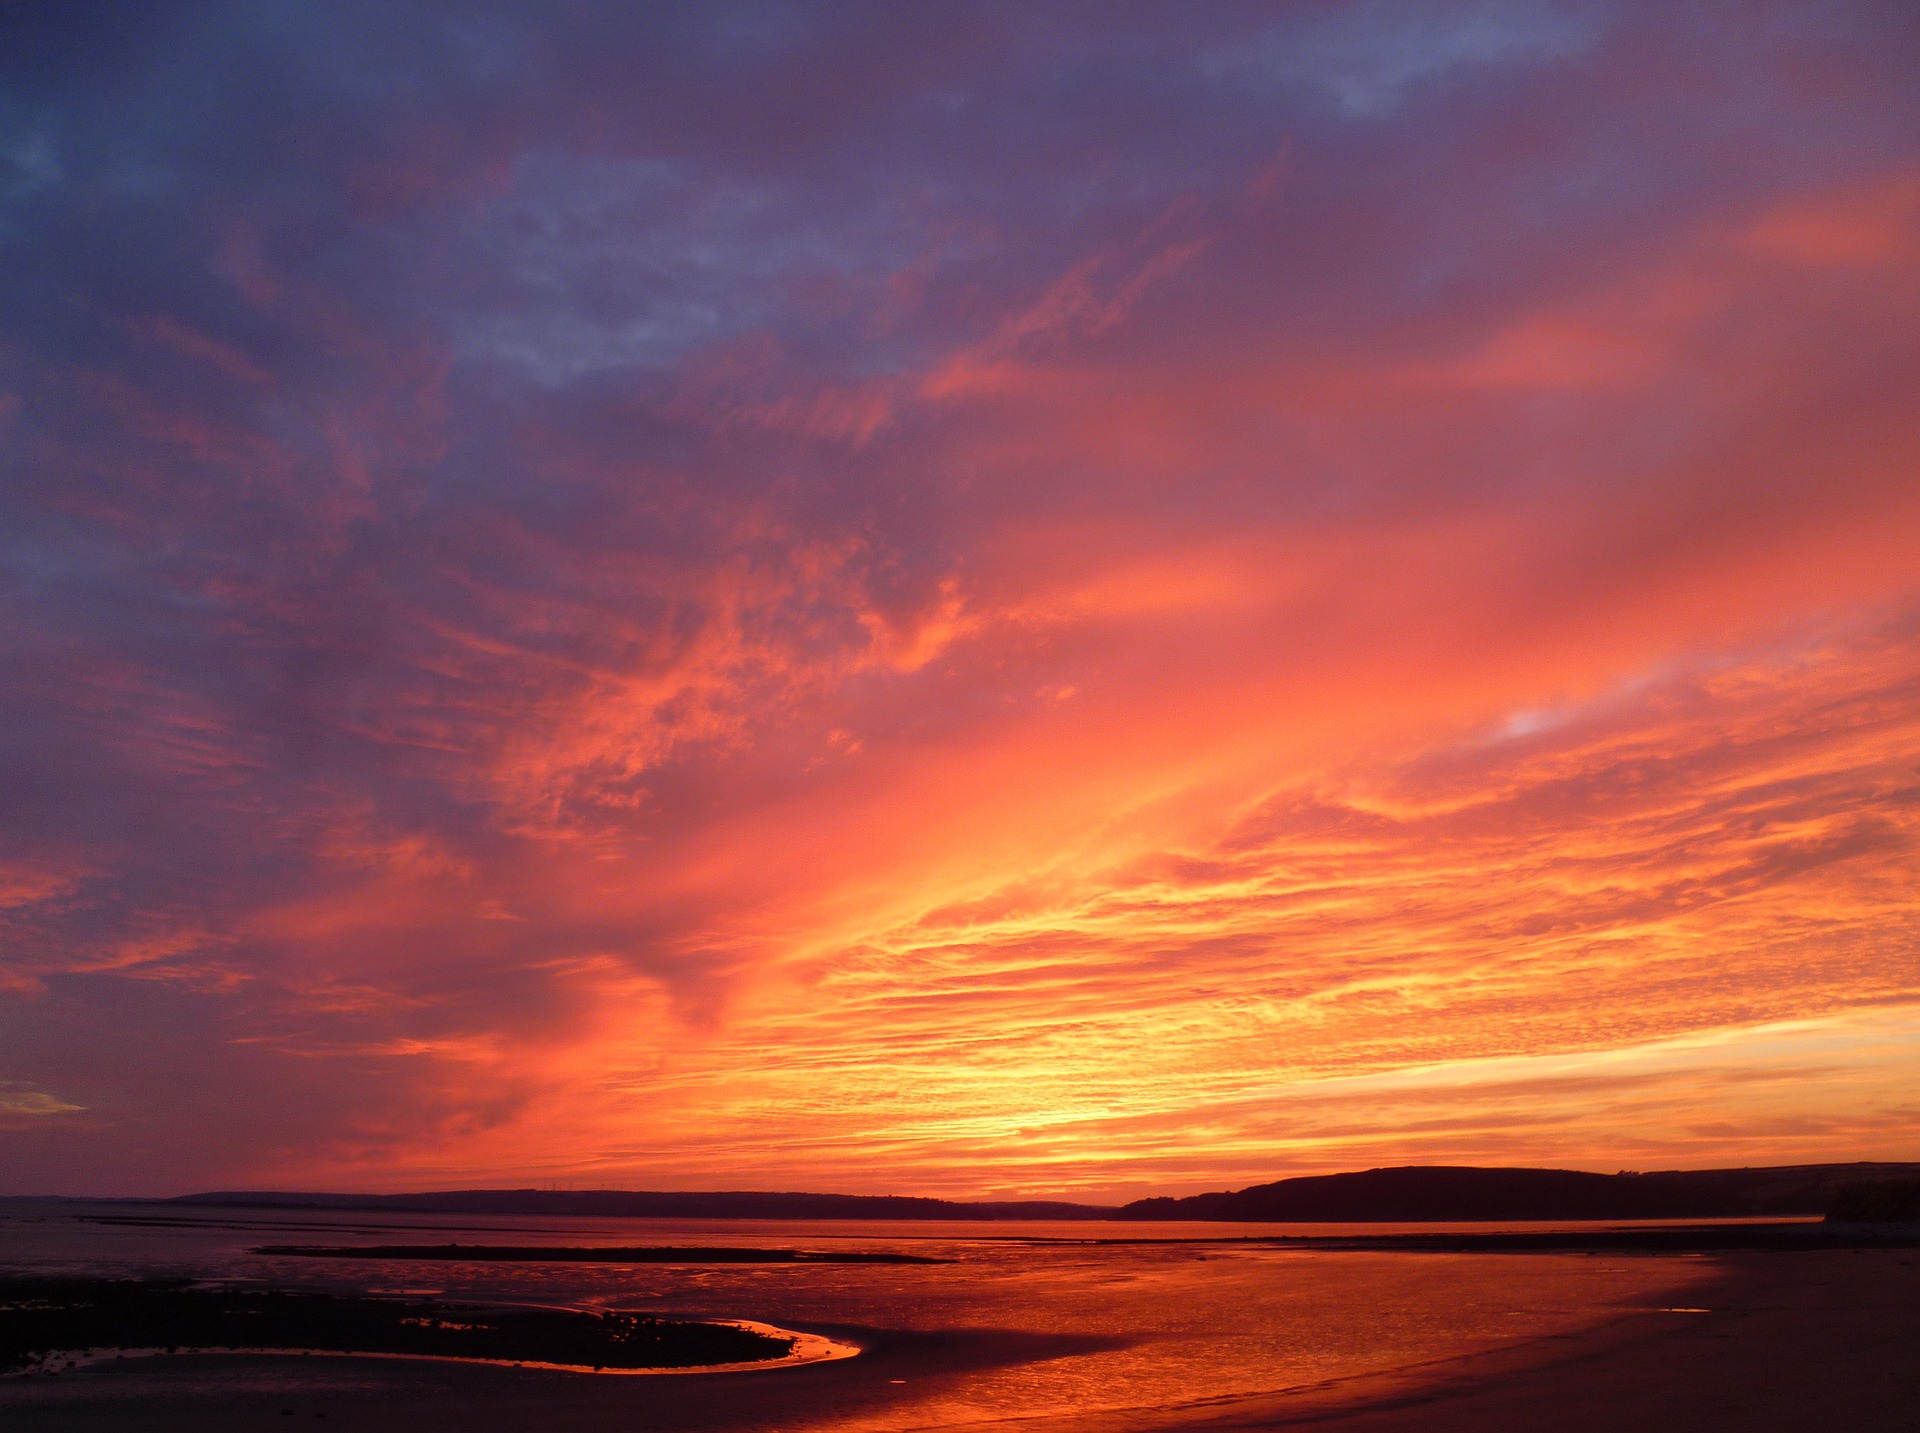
{"x": 1127, "y": 1317}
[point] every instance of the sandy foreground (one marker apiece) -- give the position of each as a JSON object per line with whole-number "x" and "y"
{"x": 1801, "y": 1341}
{"x": 1791, "y": 1341}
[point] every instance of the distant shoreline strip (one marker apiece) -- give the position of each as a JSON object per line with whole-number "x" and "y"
{"x": 586, "y": 1254}
{"x": 1659, "y": 1239}
{"x": 1665, "y": 1239}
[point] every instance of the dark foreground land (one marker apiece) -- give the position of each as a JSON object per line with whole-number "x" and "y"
{"x": 41, "y": 1319}
{"x": 1789, "y": 1341}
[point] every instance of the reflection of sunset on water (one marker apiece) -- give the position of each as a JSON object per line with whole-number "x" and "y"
{"x": 946, "y": 605}
{"x": 1103, "y": 1319}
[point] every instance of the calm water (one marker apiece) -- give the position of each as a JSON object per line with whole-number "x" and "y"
{"x": 1188, "y": 1319}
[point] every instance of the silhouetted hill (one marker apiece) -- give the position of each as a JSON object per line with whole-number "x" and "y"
{"x": 642, "y": 1204}
{"x": 1408, "y": 1194}
{"x": 1442, "y": 1192}
{"x": 1880, "y": 1201}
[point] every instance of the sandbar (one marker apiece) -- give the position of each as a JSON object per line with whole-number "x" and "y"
{"x": 804, "y": 1348}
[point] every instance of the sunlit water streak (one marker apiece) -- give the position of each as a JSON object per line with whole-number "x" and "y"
{"x": 1183, "y": 1320}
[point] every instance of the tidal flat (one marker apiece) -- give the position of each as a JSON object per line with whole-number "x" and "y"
{"x": 1057, "y": 1328}
{"x": 46, "y": 1322}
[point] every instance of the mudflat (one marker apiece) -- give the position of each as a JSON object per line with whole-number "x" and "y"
{"x": 43, "y": 1321}
{"x": 224, "y": 1393}
{"x": 1801, "y": 1340}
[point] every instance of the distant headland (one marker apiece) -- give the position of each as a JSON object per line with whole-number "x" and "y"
{"x": 1404, "y": 1194}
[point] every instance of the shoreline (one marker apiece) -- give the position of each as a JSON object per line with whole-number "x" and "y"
{"x": 1646, "y": 1238}
{"x": 1787, "y": 1341}
{"x": 584, "y": 1254}
{"x": 808, "y": 1348}
{"x": 1778, "y": 1340}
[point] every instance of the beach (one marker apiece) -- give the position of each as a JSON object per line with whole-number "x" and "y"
{"x": 1797, "y": 1341}
{"x": 1786, "y": 1341}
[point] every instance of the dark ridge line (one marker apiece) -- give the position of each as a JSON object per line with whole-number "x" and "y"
{"x": 1404, "y": 1194}
{"x": 730, "y": 1204}
{"x": 1665, "y": 1239}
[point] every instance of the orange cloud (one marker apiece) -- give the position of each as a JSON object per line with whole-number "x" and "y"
{"x": 1054, "y": 652}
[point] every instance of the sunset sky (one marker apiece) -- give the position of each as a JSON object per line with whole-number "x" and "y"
{"x": 970, "y": 599}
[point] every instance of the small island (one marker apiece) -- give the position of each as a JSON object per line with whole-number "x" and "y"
{"x": 45, "y": 1321}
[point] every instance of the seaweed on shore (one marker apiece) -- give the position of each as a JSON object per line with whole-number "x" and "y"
{"x": 42, "y": 1317}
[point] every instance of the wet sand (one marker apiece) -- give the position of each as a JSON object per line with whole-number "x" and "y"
{"x": 1792, "y": 1341}
{"x": 237, "y": 1392}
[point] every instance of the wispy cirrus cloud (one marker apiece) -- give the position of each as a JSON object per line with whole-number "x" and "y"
{"x": 977, "y": 600}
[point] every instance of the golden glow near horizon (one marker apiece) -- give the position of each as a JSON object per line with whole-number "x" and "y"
{"x": 1360, "y": 651}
